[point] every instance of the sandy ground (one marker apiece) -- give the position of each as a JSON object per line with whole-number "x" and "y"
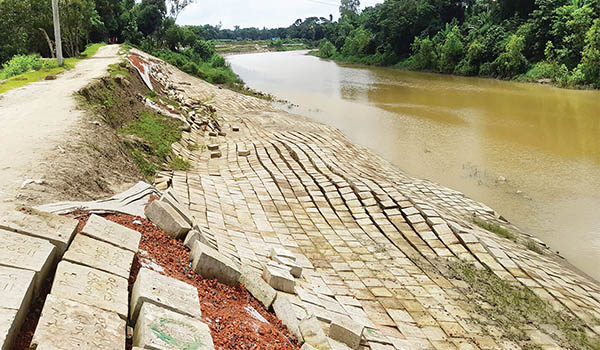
{"x": 36, "y": 120}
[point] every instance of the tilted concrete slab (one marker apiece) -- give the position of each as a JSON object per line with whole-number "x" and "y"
{"x": 173, "y": 200}
{"x": 8, "y": 328}
{"x": 167, "y": 219}
{"x": 100, "y": 255}
{"x": 105, "y": 230}
{"x": 91, "y": 287}
{"x": 161, "y": 329}
{"x": 255, "y": 284}
{"x": 16, "y": 292}
{"x": 285, "y": 312}
{"x": 68, "y": 325}
{"x": 29, "y": 253}
{"x": 313, "y": 334}
{"x": 163, "y": 291}
{"x": 211, "y": 264}
{"x": 59, "y": 230}
{"x": 345, "y": 330}
{"x": 279, "y": 277}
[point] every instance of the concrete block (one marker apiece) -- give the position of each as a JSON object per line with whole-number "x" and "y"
{"x": 8, "y": 328}
{"x": 313, "y": 334}
{"x": 59, "y": 230}
{"x": 16, "y": 292}
{"x": 100, "y": 255}
{"x": 213, "y": 147}
{"x": 111, "y": 232}
{"x": 29, "y": 253}
{"x": 215, "y": 154}
{"x": 279, "y": 277}
{"x": 260, "y": 289}
{"x": 173, "y": 200}
{"x": 191, "y": 237}
{"x": 282, "y": 252}
{"x": 91, "y": 287}
{"x": 165, "y": 292}
{"x": 285, "y": 312}
{"x": 211, "y": 264}
{"x": 307, "y": 346}
{"x": 167, "y": 219}
{"x": 345, "y": 330}
{"x": 67, "y": 325}
{"x": 243, "y": 152}
{"x": 161, "y": 329}
{"x": 295, "y": 269}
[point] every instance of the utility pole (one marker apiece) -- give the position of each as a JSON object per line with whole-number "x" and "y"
{"x": 58, "y": 41}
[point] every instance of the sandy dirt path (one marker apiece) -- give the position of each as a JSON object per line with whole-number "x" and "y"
{"x": 35, "y": 121}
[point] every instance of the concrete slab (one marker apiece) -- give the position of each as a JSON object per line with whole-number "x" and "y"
{"x": 100, "y": 255}
{"x": 105, "y": 230}
{"x": 173, "y": 200}
{"x": 285, "y": 312}
{"x": 279, "y": 277}
{"x": 345, "y": 330}
{"x": 313, "y": 334}
{"x": 211, "y": 264}
{"x": 8, "y": 328}
{"x": 161, "y": 329}
{"x": 260, "y": 289}
{"x": 59, "y": 230}
{"x": 16, "y": 292}
{"x": 68, "y": 325}
{"x": 165, "y": 292}
{"x": 29, "y": 253}
{"x": 91, "y": 287}
{"x": 295, "y": 269}
{"x": 167, "y": 219}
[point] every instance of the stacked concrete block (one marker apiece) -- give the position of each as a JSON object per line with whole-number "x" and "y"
{"x": 111, "y": 232}
{"x": 260, "y": 289}
{"x": 161, "y": 329}
{"x": 279, "y": 277}
{"x": 16, "y": 291}
{"x": 167, "y": 219}
{"x": 100, "y": 255}
{"x": 211, "y": 264}
{"x": 345, "y": 330}
{"x": 165, "y": 292}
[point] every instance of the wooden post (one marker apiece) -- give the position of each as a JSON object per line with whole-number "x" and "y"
{"x": 57, "y": 39}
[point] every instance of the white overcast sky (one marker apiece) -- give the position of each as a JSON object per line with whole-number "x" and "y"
{"x": 259, "y": 13}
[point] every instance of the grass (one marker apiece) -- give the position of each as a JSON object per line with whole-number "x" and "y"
{"x": 51, "y": 68}
{"x": 159, "y": 131}
{"x": 495, "y": 228}
{"x": 512, "y": 306}
{"x": 116, "y": 69}
{"x": 531, "y": 245}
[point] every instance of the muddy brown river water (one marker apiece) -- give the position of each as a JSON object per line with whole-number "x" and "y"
{"x": 531, "y": 152}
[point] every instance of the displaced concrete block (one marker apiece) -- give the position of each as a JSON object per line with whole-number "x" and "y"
{"x": 295, "y": 269}
{"x": 67, "y": 325}
{"x": 172, "y": 199}
{"x": 235, "y": 128}
{"x": 243, "y": 152}
{"x": 345, "y": 330}
{"x": 111, "y": 232}
{"x": 8, "y": 328}
{"x": 279, "y": 277}
{"x": 282, "y": 252}
{"x": 91, "y": 287}
{"x": 167, "y": 219}
{"x": 57, "y": 229}
{"x": 162, "y": 329}
{"x": 285, "y": 312}
{"x": 211, "y": 264}
{"x": 213, "y": 147}
{"x": 215, "y": 154}
{"x": 313, "y": 334}
{"x": 16, "y": 291}
{"x": 191, "y": 237}
{"x": 100, "y": 255}
{"x": 29, "y": 253}
{"x": 164, "y": 292}
{"x": 260, "y": 289}
{"x": 307, "y": 346}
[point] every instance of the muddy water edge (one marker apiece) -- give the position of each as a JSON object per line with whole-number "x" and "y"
{"x": 531, "y": 152}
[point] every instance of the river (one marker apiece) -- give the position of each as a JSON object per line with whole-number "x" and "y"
{"x": 531, "y": 152}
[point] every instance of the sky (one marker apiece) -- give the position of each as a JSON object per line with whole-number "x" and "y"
{"x": 259, "y": 13}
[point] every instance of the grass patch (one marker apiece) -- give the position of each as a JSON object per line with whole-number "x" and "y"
{"x": 117, "y": 69}
{"x": 495, "y": 228}
{"x": 157, "y": 130}
{"x": 531, "y": 245}
{"x": 179, "y": 163}
{"x": 49, "y": 67}
{"x": 512, "y": 306}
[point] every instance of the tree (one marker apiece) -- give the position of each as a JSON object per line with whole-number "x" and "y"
{"x": 177, "y": 6}
{"x": 326, "y": 49}
{"x": 512, "y": 61}
{"x": 452, "y": 50}
{"x": 150, "y": 14}
{"x": 590, "y": 63}
{"x": 78, "y": 18}
{"x": 349, "y": 8}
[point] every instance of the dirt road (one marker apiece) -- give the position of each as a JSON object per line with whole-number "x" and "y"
{"x": 35, "y": 121}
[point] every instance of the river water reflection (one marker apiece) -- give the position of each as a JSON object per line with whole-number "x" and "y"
{"x": 465, "y": 133}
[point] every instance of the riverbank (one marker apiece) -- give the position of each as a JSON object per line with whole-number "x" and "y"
{"x": 228, "y": 48}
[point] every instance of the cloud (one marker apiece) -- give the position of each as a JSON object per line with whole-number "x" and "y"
{"x": 259, "y": 13}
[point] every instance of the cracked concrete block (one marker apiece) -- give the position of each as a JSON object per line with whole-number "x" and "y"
{"x": 211, "y": 264}
{"x": 295, "y": 269}
{"x": 167, "y": 219}
{"x": 110, "y": 232}
{"x": 285, "y": 312}
{"x": 313, "y": 334}
{"x": 16, "y": 292}
{"x": 345, "y": 330}
{"x": 279, "y": 277}
{"x": 67, "y": 325}
{"x": 91, "y": 287}
{"x": 100, "y": 255}
{"x": 260, "y": 289}
{"x": 173, "y": 200}
{"x": 161, "y": 329}
{"x": 164, "y": 292}
{"x": 29, "y": 253}
{"x": 59, "y": 230}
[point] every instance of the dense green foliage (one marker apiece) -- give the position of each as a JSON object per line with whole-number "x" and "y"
{"x": 20, "y": 64}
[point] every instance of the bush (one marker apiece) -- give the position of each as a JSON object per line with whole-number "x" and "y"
{"x": 21, "y": 64}
{"x": 511, "y": 62}
{"x": 326, "y": 49}
{"x": 204, "y": 49}
{"x": 218, "y": 61}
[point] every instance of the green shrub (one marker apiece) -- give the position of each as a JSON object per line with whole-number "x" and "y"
{"x": 326, "y": 49}
{"x": 511, "y": 62}
{"x": 20, "y": 64}
{"x": 218, "y": 61}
